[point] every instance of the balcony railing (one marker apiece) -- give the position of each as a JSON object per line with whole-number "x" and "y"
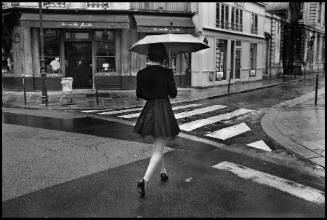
{"x": 229, "y": 26}
{"x": 254, "y": 30}
{"x": 162, "y": 6}
{"x": 98, "y": 5}
{"x": 54, "y": 4}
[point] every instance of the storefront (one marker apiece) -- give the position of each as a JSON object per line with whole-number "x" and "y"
{"x": 89, "y": 47}
{"x": 181, "y": 64}
{"x": 235, "y": 34}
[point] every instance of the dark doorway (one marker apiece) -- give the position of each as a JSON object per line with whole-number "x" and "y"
{"x": 78, "y": 62}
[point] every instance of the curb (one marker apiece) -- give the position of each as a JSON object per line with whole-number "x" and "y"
{"x": 270, "y": 129}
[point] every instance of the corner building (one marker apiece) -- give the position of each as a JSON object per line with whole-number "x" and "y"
{"x": 235, "y": 33}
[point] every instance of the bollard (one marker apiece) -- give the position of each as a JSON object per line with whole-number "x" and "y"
{"x": 97, "y": 95}
{"x": 229, "y": 84}
{"x": 316, "y": 92}
{"x": 24, "y": 90}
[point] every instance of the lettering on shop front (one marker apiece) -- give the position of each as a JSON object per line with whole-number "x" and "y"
{"x": 167, "y": 29}
{"x": 77, "y": 24}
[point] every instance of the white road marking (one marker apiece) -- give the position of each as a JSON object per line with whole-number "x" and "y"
{"x": 174, "y": 108}
{"x": 189, "y": 126}
{"x": 260, "y": 145}
{"x": 97, "y": 110}
{"x": 120, "y": 111}
{"x": 290, "y": 187}
{"x": 198, "y": 111}
{"x": 230, "y": 131}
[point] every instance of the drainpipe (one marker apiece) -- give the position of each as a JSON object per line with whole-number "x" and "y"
{"x": 270, "y": 47}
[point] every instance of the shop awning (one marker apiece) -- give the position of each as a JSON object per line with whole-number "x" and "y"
{"x": 103, "y": 21}
{"x": 162, "y": 24}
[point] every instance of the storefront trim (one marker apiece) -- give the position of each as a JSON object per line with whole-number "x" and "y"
{"x": 76, "y": 21}
{"x": 164, "y": 24}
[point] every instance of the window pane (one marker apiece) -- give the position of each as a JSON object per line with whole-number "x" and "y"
{"x": 105, "y": 48}
{"x": 52, "y": 51}
{"x": 105, "y": 64}
{"x": 104, "y": 35}
{"x": 82, "y": 36}
{"x": 221, "y": 48}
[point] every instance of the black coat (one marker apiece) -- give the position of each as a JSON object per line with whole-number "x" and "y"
{"x": 155, "y": 82}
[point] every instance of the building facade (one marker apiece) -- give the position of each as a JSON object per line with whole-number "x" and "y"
{"x": 88, "y": 41}
{"x": 273, "y": 47}
{"x": 303, "y": 35}
{"x": 235, "y": 33}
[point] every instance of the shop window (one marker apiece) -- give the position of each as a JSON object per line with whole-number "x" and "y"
{"x": 221, "y": 49}
{"x": 253, "y": 58}
{"x": 105, "y": 51}
{"x": 52, "y": 51}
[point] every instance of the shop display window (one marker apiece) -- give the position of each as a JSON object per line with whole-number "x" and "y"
{"x": 105, "y": 52}
{"x": 253, "y": 59}
{"x": 52, "y": 51}
{"x": 221, "y": 49}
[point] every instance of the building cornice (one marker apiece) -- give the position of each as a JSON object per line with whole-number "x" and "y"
{"x": 87, "y": 11}
{"x": 233, "y": 33}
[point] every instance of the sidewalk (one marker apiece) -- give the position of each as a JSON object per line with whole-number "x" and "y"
{"x": 116, "y": 99}
{"x": 299, "y": 126}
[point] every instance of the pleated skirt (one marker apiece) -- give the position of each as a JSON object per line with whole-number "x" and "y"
{"x": 157, "y": 120}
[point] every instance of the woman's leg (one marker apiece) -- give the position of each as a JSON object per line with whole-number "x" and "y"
{"x": 158, "y": 147}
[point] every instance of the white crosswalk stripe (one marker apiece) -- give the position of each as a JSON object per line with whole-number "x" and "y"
{"x": 287, "y": 186}
{"x": 198, "y": 111}
{"x": 174, "y": 108}
{"x": 189, "y": 126}
{"x": 95, "y": 110}
{"x": 260, "y": 145}
{"x": 230, "y": 131}
{"x": 120, "y": 111}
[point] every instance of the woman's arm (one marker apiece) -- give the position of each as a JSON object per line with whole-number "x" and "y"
{"x": 172, "y": 90}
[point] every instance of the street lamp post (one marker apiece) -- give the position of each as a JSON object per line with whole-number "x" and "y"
{"x": 44, "y": 96}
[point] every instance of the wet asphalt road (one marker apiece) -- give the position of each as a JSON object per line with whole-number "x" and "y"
{"x": 210, "y": 193}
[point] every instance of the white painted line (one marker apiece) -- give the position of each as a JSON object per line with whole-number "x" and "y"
{"x": 260, "y": 145}
{"x": 189, "y": 126}
{"x": 174, "y": 108}
{"x": 198, "y": 111}
{"x": 120, "y": 111}
{"x": 230, "y": 131}
{"x": 290, "y": 187}
{"x": 98, "y": 110}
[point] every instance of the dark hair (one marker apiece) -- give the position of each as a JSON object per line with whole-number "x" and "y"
{"x": 157, "y": 52}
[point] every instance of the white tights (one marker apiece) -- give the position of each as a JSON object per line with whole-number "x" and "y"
{"x": 157, "y": 157}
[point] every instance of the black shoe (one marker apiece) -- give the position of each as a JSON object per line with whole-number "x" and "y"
{"x": 141, "y": 187}
{"x": 164, "y": 177}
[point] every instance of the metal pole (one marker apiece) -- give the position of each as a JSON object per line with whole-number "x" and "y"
{"x": 24, "y": 90}
{"x": 42, "y": 60}
{"x": 316, "y": 92}
{"x": 97, "y": 96}
{"x": 229, "y": 82}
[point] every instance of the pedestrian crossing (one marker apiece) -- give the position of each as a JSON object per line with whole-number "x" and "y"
{"x": 197, "y": 116}
{"x": 292, "y": 188}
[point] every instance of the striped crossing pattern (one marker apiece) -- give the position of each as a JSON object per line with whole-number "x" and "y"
{"x": 230, "y": 131}
{"x": 190, "y": 124}
{"x": 287, "y": 186}
{"x": 174, "y": 108}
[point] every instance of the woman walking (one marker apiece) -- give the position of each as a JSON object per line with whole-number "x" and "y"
{"x": 155, "y": 84}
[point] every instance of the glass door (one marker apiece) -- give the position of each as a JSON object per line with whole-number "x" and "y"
{"x": 78, "y": 61}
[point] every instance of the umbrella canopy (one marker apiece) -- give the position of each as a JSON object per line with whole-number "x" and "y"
{"x": 174, "y": 43}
